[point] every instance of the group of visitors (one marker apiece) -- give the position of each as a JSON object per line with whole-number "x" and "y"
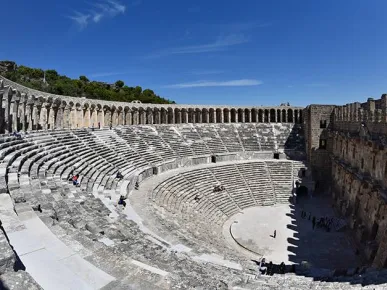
{"x": 218, "y": 188}
{"x": 270, "y": 268}
{"x": 17, "y": 134}
{"x": 321, "y": 223}
{"x": 99, "y": 126}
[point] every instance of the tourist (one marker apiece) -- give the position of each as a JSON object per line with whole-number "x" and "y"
{"x": 275, "y": 234}
{"x": 136, "y": 185}
{"x": 262, "y": 267}
{"x": 75, "y": 180}
{"x": 197, "y": 198}
{"x": 122, "y": 200}
{"x": 282, "y": 268}
{"x": 119, "y": 175}
{"x": 99, "y": 125}
{"x": 92, "y": 127}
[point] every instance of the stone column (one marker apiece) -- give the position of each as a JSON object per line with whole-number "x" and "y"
{"x": 134, "y": 117}
{"x": 149, "y": 117}
{"x": 51, "y": 116}
{"x": 22, "y": 113}
{"x": 100, "y": 117}
{"x": 177, "y": 116}
{"x": 198, "y": 116}
{"x": 43, "y": 117}
{"x": 86, "y": 117}
{"x": 29, "y": 116}
{"x": 5, "y": 109}
{"x": 184, "y": 116}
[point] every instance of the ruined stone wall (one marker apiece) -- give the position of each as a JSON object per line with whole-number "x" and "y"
{"x": 317, "y": 122}
{"x": 28, "y": 109}
{"x": 359, "y": 173}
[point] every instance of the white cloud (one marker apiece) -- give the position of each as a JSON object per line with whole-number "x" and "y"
{"x": 316, "y": 85}
{"x": 81, "y": 19}
{"x": 105, "y": 9}
{"x": 207, "y": 72}
{"x": 221, "y": 44}
{"x": 232, "y": 83}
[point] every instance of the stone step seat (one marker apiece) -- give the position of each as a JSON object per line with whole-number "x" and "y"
{"x": 162, "y": 149}
{"x": 114, "y": 262}
{"x": 201, "y": 179}
{"x": 141, "y": 147}
{"x": 188, "y": 194}
{"x": 97, "y": 250}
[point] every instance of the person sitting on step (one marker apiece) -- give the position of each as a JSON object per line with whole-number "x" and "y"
{"x": 75, "y": 180}
{"x": 119, "y": 175}
{"x": 136, "y": 185}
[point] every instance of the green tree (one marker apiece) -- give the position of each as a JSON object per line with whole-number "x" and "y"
{"x": 84, "y": 79}
{"x": 119, "y": 84}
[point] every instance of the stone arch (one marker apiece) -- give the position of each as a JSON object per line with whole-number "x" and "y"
{"x": 300, "y": 117}
{"x": 254, "y": 115}
{"x": 191, "y": 115}
{"x": 284, "y": 117}
{"x": 247, "y": 116}
{"x": 184, "y": 116}
{"x": 156, "y": 116}
{"x": 171, "y": 117}
{"x": 234, "y": 116}
{"x": 290, "y": 116}
{"x": 219, "y": 116}
{"x": 260, "y": 116}
{"x": 178, "y": 116}
{"x": 279, "y": 120}
{"x": 267, "y": 118}
{"x": 107, "y": 115}
{"x": 163, "y": 116}
{"x": 272, "y": 116}
{"x": 211, "y": 116}
{"x": 205, "y": 115}
{"x": 198, "y": 116}
{"x": 142, "y": 115}
{"x": 226, "y": 116}
{"x": 149, "y": 116}
{"x": 241, "y": 116}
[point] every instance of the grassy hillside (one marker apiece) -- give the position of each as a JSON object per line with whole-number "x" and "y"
{"x": 82, "y": 87}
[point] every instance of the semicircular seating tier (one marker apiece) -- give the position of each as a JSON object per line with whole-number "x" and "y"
{"x": 60, "y": 236}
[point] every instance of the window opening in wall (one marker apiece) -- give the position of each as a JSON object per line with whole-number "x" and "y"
{"x": 323, "y": 124}
{"x": 323, "y": 144}
{"x": 276, "y": 155}
{"x": 374, "y": 231}
{"x": 213, "y": 159}
{"x": 155, "y": 171}
{"x": 303, "y": 172}
{"x": 373, "y": 162}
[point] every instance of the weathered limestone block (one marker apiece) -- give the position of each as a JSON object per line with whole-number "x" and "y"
{"x": 7, "y": 256}
{"x": 19, "y": 280}
{"x": 3, "y": 183}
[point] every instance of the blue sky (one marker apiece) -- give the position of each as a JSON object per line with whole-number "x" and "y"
{"x": 248, "y": 52}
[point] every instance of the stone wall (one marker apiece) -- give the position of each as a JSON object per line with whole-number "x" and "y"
{"x": 358, "y": 150}
{"x": 317, "y": 123}
{"x": 28, "y": 109}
